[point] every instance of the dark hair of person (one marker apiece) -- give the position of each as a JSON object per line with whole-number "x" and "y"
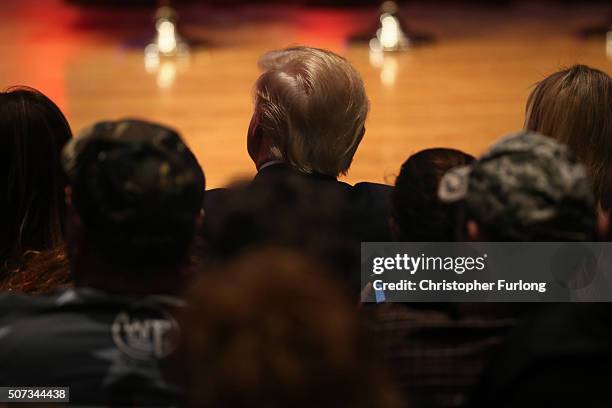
{"x": 138, "y": 206}
{"x": 33, "y": 132}
{"x": 574, "y": 106}
{"x": 417, "y": 212}
{"x": 271, "y": 329}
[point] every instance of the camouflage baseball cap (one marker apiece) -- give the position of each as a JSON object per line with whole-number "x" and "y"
{"x": 135, "y": 185}
{"x": 526, "y": 187}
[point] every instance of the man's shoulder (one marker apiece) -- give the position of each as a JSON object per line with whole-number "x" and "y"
{"x": 213, "y": 198}
{"x": 367, "y": 184}
{"x": 373, "y": 195}
{"x": 13, "y": 304}
{"x": 215, "y": 193}
{"x": 374, "y": 188}
{"x": 372, "y": 202}
{"x": 366, "y": 191}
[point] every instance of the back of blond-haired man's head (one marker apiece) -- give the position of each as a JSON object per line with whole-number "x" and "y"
{"x": 310, "y": 111}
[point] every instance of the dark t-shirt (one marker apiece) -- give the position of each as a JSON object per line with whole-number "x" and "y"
{"x": 110, "y": 350}
{"x": 558, "y": 357}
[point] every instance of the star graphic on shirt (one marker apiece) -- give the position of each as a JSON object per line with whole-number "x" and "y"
{"x": 123, "y": 367}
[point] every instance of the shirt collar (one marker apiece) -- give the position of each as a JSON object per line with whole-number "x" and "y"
{"x": 269, "y": 163}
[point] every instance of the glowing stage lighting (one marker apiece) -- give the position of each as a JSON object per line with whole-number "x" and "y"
{"x": 167, "y": 40}
{"x": 168, "y": 53}
{"x": 389, "y": 36}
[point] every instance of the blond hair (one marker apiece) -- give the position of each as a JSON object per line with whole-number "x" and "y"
{"x": 574, "y": 106}
{"x": 313, "y": 105}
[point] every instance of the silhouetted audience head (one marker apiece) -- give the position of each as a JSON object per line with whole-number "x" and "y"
{"x": 574, "y": 106}
{"x": 526, "y": 187}
{"x": 136, "y": 192}
{"x": 272, "y": 330}
{"x": 310, "y": 111}
{"x": 33, "y": 132}
{"x": 418, "y": 213}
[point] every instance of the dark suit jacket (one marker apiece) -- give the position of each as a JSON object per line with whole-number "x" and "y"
{"x": 361, "y": 214}
{"x": 369, "y": 202}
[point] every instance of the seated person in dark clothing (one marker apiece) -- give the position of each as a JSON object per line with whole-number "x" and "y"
{"x": 309, "y": 118}
{"x": 525, "y": 188}
{"x": 435, "y": 350}
{"x": 134, "y": 201}
{"x": 560, "y": 356}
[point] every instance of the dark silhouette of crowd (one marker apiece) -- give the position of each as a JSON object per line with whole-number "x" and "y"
{"x": 124, "y": 279}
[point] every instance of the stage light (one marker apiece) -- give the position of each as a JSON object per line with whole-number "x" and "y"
{"x": 168, "y": 54}
{"x": 168, "y": 41}
{"x": 389, "y": 36}
{"x": 166, "y": 37}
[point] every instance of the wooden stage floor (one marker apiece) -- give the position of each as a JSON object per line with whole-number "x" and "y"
{"x": 464, "y": 91}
